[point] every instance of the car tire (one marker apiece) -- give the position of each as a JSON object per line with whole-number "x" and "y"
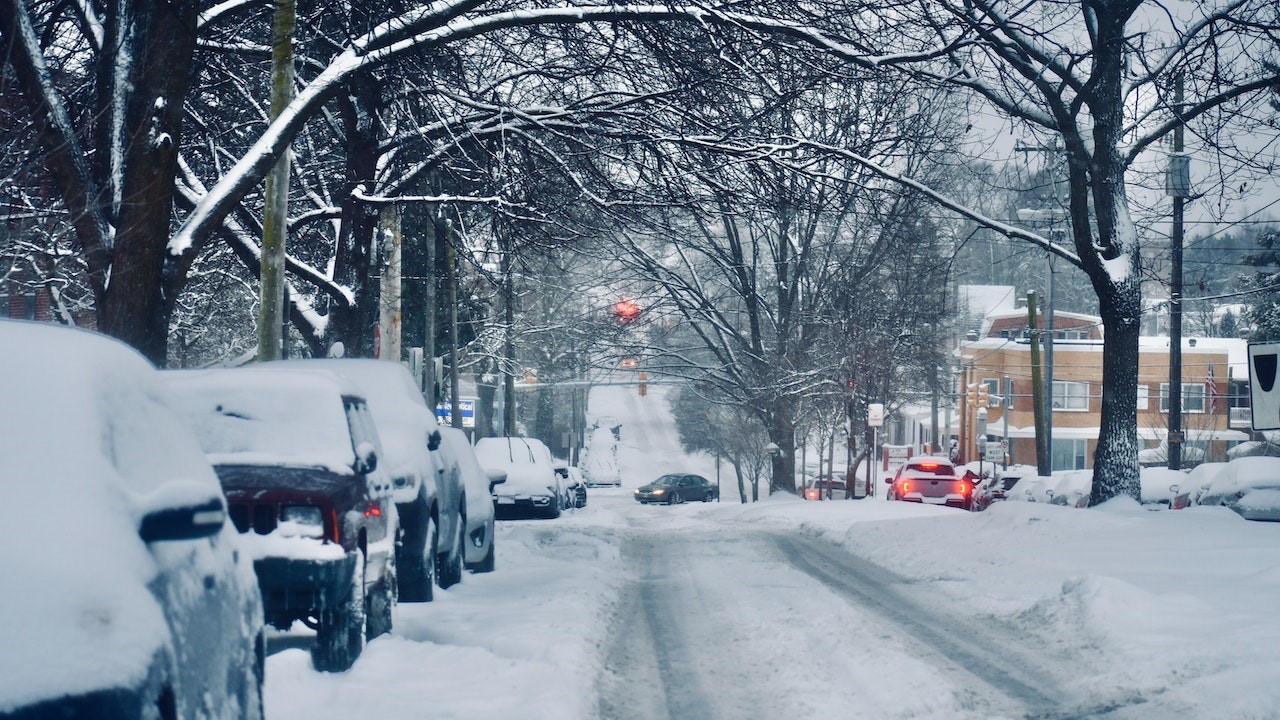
{"x": 416, "y": 555}
{"x": 340, "y": 635}
{"x": 378, "y": 606}
{"x": 708, "y": 497}
{"x": 452, "y": 565}
{"x": 553, "y": 508}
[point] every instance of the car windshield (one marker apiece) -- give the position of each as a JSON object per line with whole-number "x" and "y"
{"x": 667, "y": 480}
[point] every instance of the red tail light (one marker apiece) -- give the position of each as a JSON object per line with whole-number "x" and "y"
{"x": 906, "y": 487}
{"x": 965, "y": 488}
{"x": 811, "y": 493}
{"x": 337, "y": 529}
{"x": 928, "y": 466}
{"x": 373, "y": 510}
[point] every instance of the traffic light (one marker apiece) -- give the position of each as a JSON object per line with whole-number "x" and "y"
{"x": 977, "y": 395}
{"x": 626, "y": 312}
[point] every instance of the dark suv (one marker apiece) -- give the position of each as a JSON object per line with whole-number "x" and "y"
{"x": 297, "y": 455}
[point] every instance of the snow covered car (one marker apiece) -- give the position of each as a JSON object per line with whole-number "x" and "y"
{"x": 1194, "y": 484}
{"x": 460, "y": 460}
{"x": 931, "y": 480}
{"x": 1071, "y": 488}
{"x": 826, "y": 490}
{"x": 575, "y": 487}
{"x": 600, "y": 469}
{"x": 675, "y": 489}
{"x": 297, "y": 454}
{"x": 1248, "y": 485}
{"x": 127, "y": 594}
{"x": 1159, "y": 485}
{"x": 532, "y": 482}
{"x": 994, "y": 489}
{"x": 430, "y": 503}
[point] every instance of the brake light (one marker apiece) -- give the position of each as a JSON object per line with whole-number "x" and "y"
{"x": 811, "y": 493}
{"x": 373, "y": 510}
{"x": 337, "y": 530}
{"x": 928, "y": 466}
{"x": 906, "y": 487}
{"x": 964, "y": 488}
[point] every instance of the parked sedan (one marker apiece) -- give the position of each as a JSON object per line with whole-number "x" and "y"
{"x": 431, "y": 546}
{"x": 1248, "y": 485}
{"x": 676, "y": 489}
{"x": 127, "y": 594}
{"x": 575, "y": 486}
{"x": 531, "y": 479}
{"x": 460, "y": 457}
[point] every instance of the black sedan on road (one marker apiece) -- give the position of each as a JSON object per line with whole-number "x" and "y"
{"x": 675, "y": 489}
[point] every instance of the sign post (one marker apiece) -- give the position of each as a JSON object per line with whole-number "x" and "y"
{"x": 1264, "y": 391}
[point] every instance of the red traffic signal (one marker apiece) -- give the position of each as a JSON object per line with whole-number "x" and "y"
{"x": 626, "y": 311}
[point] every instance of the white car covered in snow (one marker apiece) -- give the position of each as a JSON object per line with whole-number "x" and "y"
{"x": 600, "y": 468}
{"x": 460, "y": 461}
{"x": 429, "y": 502}
{"x": 1248, "y": 485}
{"x": 127, "y": 593}
{"x": 532, "y": 483}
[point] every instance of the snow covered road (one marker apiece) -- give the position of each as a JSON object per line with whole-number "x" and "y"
{"x": 796, "y": 610}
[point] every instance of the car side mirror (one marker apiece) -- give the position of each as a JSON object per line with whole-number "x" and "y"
{"x": 366, "y": 458}
{"x": 888, "y": 481}
{"x": 190, "y": 522}
{"x": 496, "y": 477}
{"x": 433, "y": 440}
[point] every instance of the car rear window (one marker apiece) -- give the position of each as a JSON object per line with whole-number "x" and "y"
{"x": 932, "y": 468}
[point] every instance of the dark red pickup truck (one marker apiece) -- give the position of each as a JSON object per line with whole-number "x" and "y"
{"x": 297, "y": 455}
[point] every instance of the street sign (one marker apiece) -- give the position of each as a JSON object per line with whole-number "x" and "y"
{"x": 875, "y": 415}
{"x": 1264, "y": 390}
{"x": 467, "y": 406}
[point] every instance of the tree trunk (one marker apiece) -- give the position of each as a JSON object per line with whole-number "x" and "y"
{"x": 159, "y": 38}
{"x": 353, "y": 324}
{"x": 782, "y": 432}
{"x": 1115, "y": 460}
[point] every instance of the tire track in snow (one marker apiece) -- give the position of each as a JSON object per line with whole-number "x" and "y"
{"x": 1003, "y": 661}
{"x": 651, "y": 669}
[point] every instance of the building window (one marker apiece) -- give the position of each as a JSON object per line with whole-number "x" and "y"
{"x": 1144, "y": 401}
{"x": 1069, "y": 454}
{"x": 1069, "y": 395}
{"x": 993, "y": 392}
{"x": 1192, "y": 398}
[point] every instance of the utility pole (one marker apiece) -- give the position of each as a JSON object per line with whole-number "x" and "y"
{"x": 429, "y": 379}
{"x": 508, "y": 341}
{"x": 1178, "y": 185}
{"x": 275, "y": 218}
{"x": 451, "y": 285}
{"x": 1043, "y": 460}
